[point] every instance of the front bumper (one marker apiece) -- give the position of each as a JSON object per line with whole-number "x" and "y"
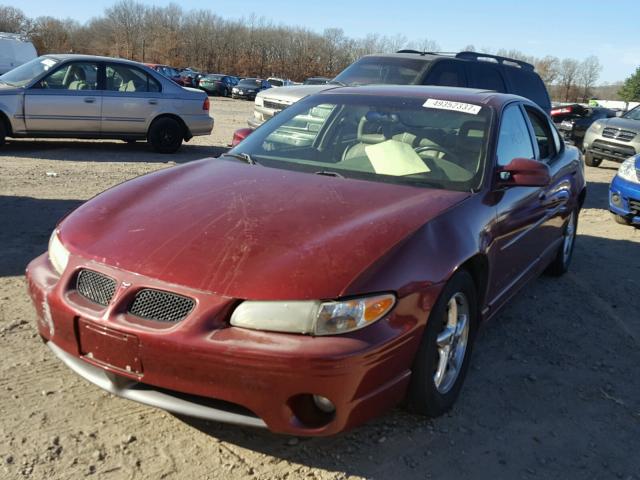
{"x": 205, "y": 368}
{"x": 628, "y": 199}
{"x": 608, "y": 150}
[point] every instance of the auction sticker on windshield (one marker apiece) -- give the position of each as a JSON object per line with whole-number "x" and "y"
{"x": 455, "y": 106}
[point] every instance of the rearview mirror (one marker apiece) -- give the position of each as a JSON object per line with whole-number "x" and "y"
{"x": 524, "y": 172}
{"x": 240, "y": 135}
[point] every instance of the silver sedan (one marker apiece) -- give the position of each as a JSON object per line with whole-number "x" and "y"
{"x": 84, "y": 96}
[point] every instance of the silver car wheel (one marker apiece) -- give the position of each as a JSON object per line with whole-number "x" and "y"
{"x": 452, "y": 343}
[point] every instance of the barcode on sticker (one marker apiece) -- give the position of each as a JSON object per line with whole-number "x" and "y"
{"x": 455, "y": 106}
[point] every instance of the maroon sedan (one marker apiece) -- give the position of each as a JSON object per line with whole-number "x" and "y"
{"x": 337, "y": 261}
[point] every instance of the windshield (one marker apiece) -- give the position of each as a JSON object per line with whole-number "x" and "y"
{"x": 22, "y": 75}
{"x": 249, "y": 82}
{"x": 631, "y": 114}
{"x": 380, "y": 70}
{"x": 275, "y": 82}
{"x": 377, "y": 138}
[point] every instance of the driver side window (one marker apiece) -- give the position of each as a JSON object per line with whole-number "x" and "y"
{"x": 514, "y": 140}
{"x": 72, "y": 76}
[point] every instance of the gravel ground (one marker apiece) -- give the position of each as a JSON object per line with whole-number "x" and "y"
{"x": 553, "y": 391}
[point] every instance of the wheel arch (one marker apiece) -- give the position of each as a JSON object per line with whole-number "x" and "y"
{"x": 4, "y": 118}
{"x": 186, "y": 132}
{"x": 478, "y": 268}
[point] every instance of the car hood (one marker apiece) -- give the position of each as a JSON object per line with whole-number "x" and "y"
{"x": 6, "y": 89}
{"x": 249, "y": 231}
{"x": 624, "y": 123}
{"x": 294, "y": 93}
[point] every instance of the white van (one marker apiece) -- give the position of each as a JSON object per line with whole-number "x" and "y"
{"x": 14, "y": 51}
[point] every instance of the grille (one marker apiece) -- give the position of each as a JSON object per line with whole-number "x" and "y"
{"x": 161, "y": 306}
{"x": 634, "y": 206}
{"x": 618, "y": 134}
{"x": 96, "y": 287}
{"x": 275, "y": 105}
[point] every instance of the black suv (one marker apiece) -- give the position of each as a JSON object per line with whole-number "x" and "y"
{"x": 464, "y": 69}
{"x": 410, "y": 67}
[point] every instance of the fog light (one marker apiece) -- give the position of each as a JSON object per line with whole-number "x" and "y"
{"x": 324, "y": 404}
{"x": 615, "y": 199}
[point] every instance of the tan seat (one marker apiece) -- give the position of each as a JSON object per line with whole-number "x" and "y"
{"x": 128, "y": 86}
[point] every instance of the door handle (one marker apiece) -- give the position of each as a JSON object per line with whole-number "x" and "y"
{"x": 153, "y": 102}
{"x": 89, "y": 100}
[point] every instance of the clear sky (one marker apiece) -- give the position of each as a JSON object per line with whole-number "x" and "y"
{"x": 564, "y": 28}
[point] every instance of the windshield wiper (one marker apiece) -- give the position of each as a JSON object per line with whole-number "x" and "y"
{"x": 329, "y": 173}
{"x": 338, "y": 82}
{"x": 244, "y": 157}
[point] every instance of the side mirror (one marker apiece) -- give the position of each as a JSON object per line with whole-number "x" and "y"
{"x": 524, "y": 172}
{"x": 240, "y": 135}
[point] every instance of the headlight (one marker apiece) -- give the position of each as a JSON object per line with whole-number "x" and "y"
{"x": 596, "y": 126}
{"x": 313, "y": 317}
{"x": 58, "y": 255}
{"x": 629, "y": 171}
{"x": 259, "y": 101}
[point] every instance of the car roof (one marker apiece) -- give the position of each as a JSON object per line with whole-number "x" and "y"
{"x": 457, "y": 94}
{"x": 80, "y": 57}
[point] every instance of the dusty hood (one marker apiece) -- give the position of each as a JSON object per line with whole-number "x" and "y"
{"x": 292, "y": 94}
{"x": 249, "y": 231}
{"x": 623, "y": 123}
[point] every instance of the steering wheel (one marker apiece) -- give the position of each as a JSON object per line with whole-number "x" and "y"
{"x": 430, "y": 161}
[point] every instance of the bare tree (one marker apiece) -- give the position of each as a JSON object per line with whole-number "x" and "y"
{"x": 547, "y": 67}
{"x": 567, "y": 75}
{"x": 588, "y": 75}
{"x": 13, "y": 20}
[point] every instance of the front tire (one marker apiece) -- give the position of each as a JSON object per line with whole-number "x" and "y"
{"x": 560, "y": 264}
{"x": 591, "y": 161}
{"x": 443, "y": 358}
{"x": 165, "y": 135}
{"x": 620, "y": 219}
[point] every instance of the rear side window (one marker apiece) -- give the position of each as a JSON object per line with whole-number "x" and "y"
{"x": 529, "y": 85}
{"x": 485, "y": 76}
{"x": 125, "y": 79}
{"x": 448, "y": 74}
{"x": 514, "y": 140}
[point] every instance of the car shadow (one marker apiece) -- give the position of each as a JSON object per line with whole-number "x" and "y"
{"x": 104, "y": 151}
{"x": 26, "y": 226}
{"x": 597, "y": 195}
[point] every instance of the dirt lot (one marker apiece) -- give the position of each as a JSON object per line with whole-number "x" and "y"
{"x": 554, "y": 389}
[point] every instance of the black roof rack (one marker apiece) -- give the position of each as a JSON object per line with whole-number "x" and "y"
{"x": 498, "y": 59}
{"x": 418, "y": 52}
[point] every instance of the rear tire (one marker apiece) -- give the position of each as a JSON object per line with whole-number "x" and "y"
{"x": 3, "y": 131}
{"x": 620, "y": 219}
{"x": 560, "y": 264}
{"x": 443, "y": 358}
{"x": 165, "y": 135}
{"x": 591, "y": 161}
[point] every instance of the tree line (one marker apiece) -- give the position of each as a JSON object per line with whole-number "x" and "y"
{"x": 251, "y": 46}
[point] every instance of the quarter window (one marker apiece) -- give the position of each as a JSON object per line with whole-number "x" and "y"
{"x": 514, "y": 140}
{"x": 542, "y": 131}
{"x": 485, "y": 76}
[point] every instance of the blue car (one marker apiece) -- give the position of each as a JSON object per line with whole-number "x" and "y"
{"x": 624, "y": 193}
